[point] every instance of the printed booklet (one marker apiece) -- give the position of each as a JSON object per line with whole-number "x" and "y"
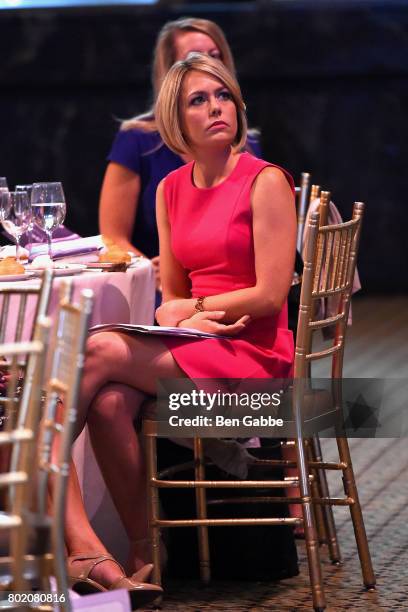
{"x": 154, "y": 329}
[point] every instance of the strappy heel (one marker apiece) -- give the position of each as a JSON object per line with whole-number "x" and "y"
{"x": 140, "y": 592}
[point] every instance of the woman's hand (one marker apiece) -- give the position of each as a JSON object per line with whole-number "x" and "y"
{"x": 156, "y": 268}
{"x": 172, "y": 312}
{"x": 208, "y": 321}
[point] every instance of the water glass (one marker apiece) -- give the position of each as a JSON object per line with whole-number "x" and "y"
{"x": 49, "y": 208}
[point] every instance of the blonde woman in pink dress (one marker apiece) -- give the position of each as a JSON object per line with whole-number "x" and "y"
{"x": 227, "y": 231}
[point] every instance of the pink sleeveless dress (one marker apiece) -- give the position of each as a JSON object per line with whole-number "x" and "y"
{"x": 211, "y": 236}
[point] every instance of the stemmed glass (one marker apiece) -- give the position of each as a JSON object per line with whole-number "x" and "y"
{"x": 3, "y": 184}
{"x": 26, "y": 188}
{"x": 34, "y": 233}
{"x": 15, "y": 214}
{"x": 49, "y": 209}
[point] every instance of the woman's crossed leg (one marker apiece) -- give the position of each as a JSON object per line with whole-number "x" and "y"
{"x": 120, "y": 370}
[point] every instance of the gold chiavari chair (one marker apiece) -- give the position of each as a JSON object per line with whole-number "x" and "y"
{"x": 20, "y": 422}
{"x": 62, "y": 389}
{"x": 329, "y": 266}
{"x": 46, "y": 547}
{"x": 303, "y": 200}
{"x": 305, "y": 194}
{"x": 302, "y": 192}
{"x": 324, "y": 516}
{"x": 17, "y": 324}
{"x": 330, "y": 262}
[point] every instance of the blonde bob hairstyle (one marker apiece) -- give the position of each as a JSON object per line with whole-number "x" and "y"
{"x": 167, "y": 108}
{"x": 165, "y": 55}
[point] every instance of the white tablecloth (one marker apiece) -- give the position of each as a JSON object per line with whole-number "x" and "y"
{"x": 118, "y": 297}
{"x": 126, "y": 298}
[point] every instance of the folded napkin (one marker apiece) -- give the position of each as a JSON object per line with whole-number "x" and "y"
{"x": 60, "y": 233}
{"x": 37, "y": 235}
{"x": 67, "y": 247}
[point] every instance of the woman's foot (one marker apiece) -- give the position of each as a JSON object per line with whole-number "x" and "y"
{"x": 98, "y": 567}
{"x": 86, "y": 574}
{"x": 102, "y": 569}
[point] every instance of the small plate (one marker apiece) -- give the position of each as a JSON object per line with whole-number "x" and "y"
{"x": 17, "y": 277}
{"x": 62, "y": 269}
{"x": 108, "y": 266}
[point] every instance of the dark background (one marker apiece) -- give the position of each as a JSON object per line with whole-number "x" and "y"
{"x": 326, "y": 82}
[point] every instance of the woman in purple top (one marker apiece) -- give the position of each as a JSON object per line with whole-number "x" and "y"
{"x": 139, "y": 159}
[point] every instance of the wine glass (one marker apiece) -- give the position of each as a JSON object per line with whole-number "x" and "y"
{"x": 15, "y": 214}
{"x": 3, "y": 184}
{"x": 4, "y": 203}
{"x": 49, "y": 209}
{"x": 28, "y": 189}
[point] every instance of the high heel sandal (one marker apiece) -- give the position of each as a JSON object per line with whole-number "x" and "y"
{"x": 140, "y": 593}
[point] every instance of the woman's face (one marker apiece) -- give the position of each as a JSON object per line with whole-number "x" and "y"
{"x": 189, "y": 42}
{"x": 207, "y": 110}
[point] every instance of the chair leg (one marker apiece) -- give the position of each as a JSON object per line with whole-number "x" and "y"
{"x": 316, "y": 492}
{"x": 312, "y": 544}
{"x": 350, "y": 490}
{"x": 18, "y": 541}
{"x": 201, "y": 509}
{"x": 153, "y": 505}
{"x": 57, "y": 534}
{"x": 327, "y": 511}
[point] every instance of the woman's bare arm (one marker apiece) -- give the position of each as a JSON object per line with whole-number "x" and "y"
{"x": 174, "y": 278}
{"x": 274, "y": 230}
{"x": 118, "y": 205}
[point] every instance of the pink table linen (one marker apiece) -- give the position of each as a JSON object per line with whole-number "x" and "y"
{"x": 118, "y": 297}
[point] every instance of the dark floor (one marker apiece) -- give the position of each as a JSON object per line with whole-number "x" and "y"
{"x": 377, "y": 347}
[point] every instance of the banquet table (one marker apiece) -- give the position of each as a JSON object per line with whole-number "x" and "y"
{"x": 125, "y": 297}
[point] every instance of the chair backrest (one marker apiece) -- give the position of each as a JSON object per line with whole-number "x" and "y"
{"x": 302, "y": 193}
{"x": 324, "y": 197}
{"x": 305, "y": 194}
{"x": 13, "y": 303}
{"x": 305, "y": 202}
{"x": 329, "y": 266}
{"x": 64, "y": 376}
{"x": 20, "y": 435}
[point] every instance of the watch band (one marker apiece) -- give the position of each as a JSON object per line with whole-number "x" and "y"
{"x": 199, "y": 305}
